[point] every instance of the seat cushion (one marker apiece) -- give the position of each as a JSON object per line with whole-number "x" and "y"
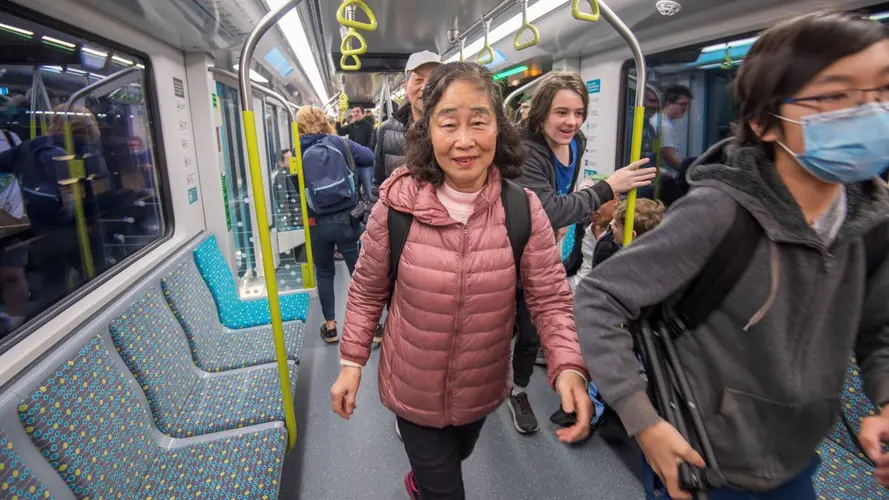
{"x": 232, "y": 401}
{"x": 90, "y": 426}
{"x": 243, "y": 466}
{"x": 16, "y": 479}
{"x": 215, "y": 347}
{"x": 842, "y": 476}
{"x": 155, "y": 349}
{"x": 234, "y": 312}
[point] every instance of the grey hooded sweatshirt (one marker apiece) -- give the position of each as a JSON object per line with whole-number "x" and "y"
{"x": 767, "y": 366}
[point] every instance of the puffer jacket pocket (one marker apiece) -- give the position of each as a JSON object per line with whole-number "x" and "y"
{"x": 761, "y": 443}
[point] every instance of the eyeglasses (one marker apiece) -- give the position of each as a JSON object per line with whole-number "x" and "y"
{"x": 843, "y": 99}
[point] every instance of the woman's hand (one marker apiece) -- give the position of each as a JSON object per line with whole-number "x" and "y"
{"x": 575, "y": 398}
{"x": 631, "y": 177}
{"x": 875, "y": 432}
{"x": 344, "y": 390}
{"x": 665, "y": 449}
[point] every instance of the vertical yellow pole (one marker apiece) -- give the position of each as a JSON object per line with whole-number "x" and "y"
{"x": 296, "y": 168}
{"x": 635, "y": 155}
{"x": 77, "y": 171}
{"x": 268, "y": 266}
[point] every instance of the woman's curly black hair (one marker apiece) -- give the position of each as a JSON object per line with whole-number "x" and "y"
{"x": 420, "y": 155}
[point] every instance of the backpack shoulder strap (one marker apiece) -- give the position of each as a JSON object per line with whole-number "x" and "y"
{"x": 518, "y": 219}
{"x": 399, "y": 225}
{"x": 350, "y": 160}
{"x": 722, "y": 271}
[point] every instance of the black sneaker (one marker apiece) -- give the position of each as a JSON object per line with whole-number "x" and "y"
{"x": 329, "y": 336}
{"x": 522, "y": 415}
{"x": 378, "y": 337}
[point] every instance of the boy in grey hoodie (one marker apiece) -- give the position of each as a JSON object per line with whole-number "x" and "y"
{"x": 767, "y": 366}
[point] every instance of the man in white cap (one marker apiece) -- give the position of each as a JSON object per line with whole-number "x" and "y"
{"x": 389, "y": 149}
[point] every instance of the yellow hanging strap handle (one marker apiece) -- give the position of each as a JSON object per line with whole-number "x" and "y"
{"x": 486, "y": 55}
{"x": 77, "y": 171}
{"x": 635, "y": 155}
{"x": 268, "y": 266}
{"x": 296, "y": 168}
{"x": 341, "y": 17}
{"x": 343, "y": 105}
{"x": 583, "y": 16}
{"x": 526, "y": 26}
{"x": 346, "y": 46}
{"x": 727, "y": 61}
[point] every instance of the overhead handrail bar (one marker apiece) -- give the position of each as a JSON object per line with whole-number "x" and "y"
{"x": 330, "y": 102}
{"x": 259, "y": 203}
{"x": 526, "y": 26}
{"x": 462, "y": 47}
{"x": 288, "y": 106}
{"x": 518, "y": 91}
{"x": 486, "y": 55}
{"x": 496, "y": 11}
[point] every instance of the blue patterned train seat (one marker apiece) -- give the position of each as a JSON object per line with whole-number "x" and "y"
{"x": 184, "y": 401}
{"x": 16, "y": 479}
{"x": 842, "y": 476}
{"x": 234, "y": 312}
{"x": 88, "y": 422}
{"x": 213, "y": 346}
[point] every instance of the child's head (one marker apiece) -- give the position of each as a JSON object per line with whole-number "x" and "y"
{"x": 649, "y": 214}
{"x": 604, "y": 215}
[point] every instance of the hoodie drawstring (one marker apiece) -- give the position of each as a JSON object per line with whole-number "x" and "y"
{"x": 774, "y": 278}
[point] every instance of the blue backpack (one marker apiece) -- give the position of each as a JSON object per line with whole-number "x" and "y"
{"x": 329, "y": 176}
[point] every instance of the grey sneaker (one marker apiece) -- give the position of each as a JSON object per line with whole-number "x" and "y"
{"x": 522, "y": 415}
{"x": 541, "y": 359}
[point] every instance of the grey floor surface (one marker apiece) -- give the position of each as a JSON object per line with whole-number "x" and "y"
{"x": 363, "y": 458}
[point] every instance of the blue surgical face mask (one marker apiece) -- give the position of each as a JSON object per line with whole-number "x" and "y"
{"x": 845, "y": 146}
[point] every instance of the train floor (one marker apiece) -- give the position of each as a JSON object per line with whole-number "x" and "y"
{"x": 363, "y": 458}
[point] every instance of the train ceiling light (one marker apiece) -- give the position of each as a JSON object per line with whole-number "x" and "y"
{"x": 668, "y": 7}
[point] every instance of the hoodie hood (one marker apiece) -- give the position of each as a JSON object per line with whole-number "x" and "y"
{"x": 749, "y": 177}
{"x": 537, "y": 143}
{"x": 405, "y": 194}
{"x": 308, "y": 140}
{"x": 404, "y": 115}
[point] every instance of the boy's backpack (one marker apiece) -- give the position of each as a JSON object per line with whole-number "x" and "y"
{"x": 518, "y": 229}
{"x": 329, "y": 176}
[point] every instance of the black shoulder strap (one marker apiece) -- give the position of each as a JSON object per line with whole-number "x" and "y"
{"x": 350, "y": 160}
{"x": 398, "y": 224}
{"x": 722, "y": 272}
{"x": 518, "y": 219}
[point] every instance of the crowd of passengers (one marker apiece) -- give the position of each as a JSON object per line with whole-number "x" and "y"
{"x": 475, "y": 283}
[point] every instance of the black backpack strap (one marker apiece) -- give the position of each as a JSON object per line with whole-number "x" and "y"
{"x": 399, "y": 225}
{"x": 350, "y": 160}
{"x": 722, "y": 271}
{"x": 518, "y": 220}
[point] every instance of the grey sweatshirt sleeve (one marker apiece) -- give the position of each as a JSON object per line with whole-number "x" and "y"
{"x": 872, "y": 347}
{"x": 562, "y": 210}
{"x": 652, "y": 269}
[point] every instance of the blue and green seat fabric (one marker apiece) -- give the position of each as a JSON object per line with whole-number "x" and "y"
{"x": 16, "y": 479}
{"x": 234, "y": 312}
{"x": 184, "y": 401}
{"x": 89, "y": 424}
{"x": 215, "y": 347}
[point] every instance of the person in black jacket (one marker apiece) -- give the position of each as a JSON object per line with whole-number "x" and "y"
{"x": 360, "y": 131}
{"x": 555, "y": 147}
{"x": 389, "y": 149}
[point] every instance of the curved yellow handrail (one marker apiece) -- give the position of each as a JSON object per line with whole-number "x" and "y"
{"x": 525, "y": 26}
{"x": 356, "y": 66}
{"x": 371, "y": 25}
{"x": 487, "y": 50}
{"x": 346, "y": 45}
{"x": 583, "y": 16}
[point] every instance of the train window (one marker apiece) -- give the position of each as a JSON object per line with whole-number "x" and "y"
{"x": 79, "y": 179}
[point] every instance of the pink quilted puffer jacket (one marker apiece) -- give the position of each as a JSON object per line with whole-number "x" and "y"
{"x": 446, "y": 355}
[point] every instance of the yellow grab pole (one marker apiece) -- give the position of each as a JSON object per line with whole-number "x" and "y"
{"x": 77, "y": 172}
{"x": 268, "y": 266}
{"x": 296, "y": 168}
{"x": 635, "y": 155}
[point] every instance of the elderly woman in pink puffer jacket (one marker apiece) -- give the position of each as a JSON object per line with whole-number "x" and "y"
{"x": 446, "y": 358}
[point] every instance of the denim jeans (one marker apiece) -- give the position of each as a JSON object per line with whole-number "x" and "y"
{"x": 365, "y": 181}
{"x": 800, "y": 487}
{"x": 330, "y": 235}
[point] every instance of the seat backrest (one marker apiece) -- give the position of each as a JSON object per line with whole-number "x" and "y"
{"x": 152, "y": 344}
{"x": 90, "y": 425}
{"x": 16, "y": 479}
{"x": 191, "y": 302}
{"x": 213, "y": 269}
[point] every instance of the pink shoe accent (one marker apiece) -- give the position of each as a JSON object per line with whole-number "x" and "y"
{"x": 411, "y": 486}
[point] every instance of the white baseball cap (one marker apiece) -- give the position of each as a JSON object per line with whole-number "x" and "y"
{"x": 418, "y": 59}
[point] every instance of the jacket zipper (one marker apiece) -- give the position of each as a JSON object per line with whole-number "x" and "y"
{"x": 450, "y": 372}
